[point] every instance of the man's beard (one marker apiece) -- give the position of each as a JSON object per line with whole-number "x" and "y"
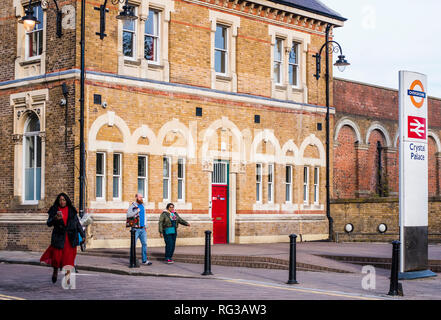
{"x": 140, "y": 201}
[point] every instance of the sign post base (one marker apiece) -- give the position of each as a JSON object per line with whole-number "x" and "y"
{"x": 416, "y": 275}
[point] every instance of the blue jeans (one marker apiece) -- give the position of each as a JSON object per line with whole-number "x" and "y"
{"x": 142, "y": 235}
{"x": 170, "y": 241}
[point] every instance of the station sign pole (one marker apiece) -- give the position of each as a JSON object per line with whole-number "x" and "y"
{"x": 414, "y": 203}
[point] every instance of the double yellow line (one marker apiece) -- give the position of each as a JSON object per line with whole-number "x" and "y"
{"x": 5, "y": 297}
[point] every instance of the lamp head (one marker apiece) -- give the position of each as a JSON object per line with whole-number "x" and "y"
{"x": 29, "y": 20}
{"x": 127, "y": 14}
{"x": 342, "y": 63}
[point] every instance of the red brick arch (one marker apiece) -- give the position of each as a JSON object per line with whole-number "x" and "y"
{"x": 434, "y": 183}
{"x": 372, "y": 160}
{"x": 345, "y": 164}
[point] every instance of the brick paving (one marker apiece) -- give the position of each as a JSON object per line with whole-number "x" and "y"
{"x": 309, "y": 253}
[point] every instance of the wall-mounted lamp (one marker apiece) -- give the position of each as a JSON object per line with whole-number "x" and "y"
{"x": 126, "y": 14}
{"x": 29, "y": 20}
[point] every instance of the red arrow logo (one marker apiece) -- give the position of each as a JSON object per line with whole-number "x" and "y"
{"x": 416, "y": 128}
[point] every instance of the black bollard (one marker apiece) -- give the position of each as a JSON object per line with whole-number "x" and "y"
{"x": 395, "y": 288}
{"x": 133, "y": 263}
{"x": 292, "y": 259}
{"x": 207, "y": 264}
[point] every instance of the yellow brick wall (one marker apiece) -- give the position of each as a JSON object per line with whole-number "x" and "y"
{"x": 190, "y": 49}
{"x": 154, "y": 111}
{"x": 189, "y": 57}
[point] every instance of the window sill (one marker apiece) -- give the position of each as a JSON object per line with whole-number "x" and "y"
{"x": 154, "y": 65}
{"x": 312, "y": 207}
{"x": 29, "y": 203}
{"x": 103, "y": 204}
{"x": 266, "y": 207}
{"x": 281, "y": 87}
{"x": 132, "y": 62}
{"x": 31, "y": 61}
{"x": 223, "y": 77}
{"x": 297, "y": 89}
{"x": 289, "y": 206}
{"x": 179, "y": 205}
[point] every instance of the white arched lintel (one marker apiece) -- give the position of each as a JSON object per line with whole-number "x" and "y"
{"x": 378, "y": 126}
{"x": 347, "y": 122}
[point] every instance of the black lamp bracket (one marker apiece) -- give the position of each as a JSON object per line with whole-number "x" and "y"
{"x": 59, "y": 18}
{"x": 44, "y": 5}
{"x": 102, "y": 9}
{"x": 332, "y": 47}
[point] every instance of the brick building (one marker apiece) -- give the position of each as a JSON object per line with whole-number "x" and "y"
{"x": 366, "y": 161}
{"x": 210, "y": 104}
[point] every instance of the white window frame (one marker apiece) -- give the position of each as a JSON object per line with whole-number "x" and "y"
{"x": 135, "y": 34}
{"x": 224, "y": 51}
{"x": 259, "y": 182}
{"x": 103, "y": 176}
{"x": 279, "y": 62}
{"x": 316, "y": 185}
{"x": 306, "y": 185}
{"x": 270, "y": 185}
{"x": 34, "y": 135}
{"x": 157, "y": 27}
{"x": 168, "y": 178}
{"x": 288, "y": 184}
{"x": 28, "y": 35}
{"x": 295, "y": 65}
{"x": 145, "y": 177}
{"x": 118, "y": 176}
{"x": 181, "y": 180}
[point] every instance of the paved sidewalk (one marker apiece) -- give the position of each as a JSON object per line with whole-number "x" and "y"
{"x": 327, "y": 285}
{"x": 311, "y": 256}
{"x": 116, "y": 261}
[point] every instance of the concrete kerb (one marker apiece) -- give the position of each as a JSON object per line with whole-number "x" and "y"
{"x": 256, "y": 262}
{"x": 113, "y": 270}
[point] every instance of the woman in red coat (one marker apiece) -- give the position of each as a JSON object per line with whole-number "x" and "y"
{"x": 63, "y": 249}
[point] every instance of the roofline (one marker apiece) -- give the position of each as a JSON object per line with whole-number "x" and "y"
{"x": 377, "y": 86}
{"x": 340, "y": 18}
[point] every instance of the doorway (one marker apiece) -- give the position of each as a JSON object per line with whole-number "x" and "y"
{"x": 219, "y": 201}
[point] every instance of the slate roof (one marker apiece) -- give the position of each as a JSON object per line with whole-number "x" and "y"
{"x": 314, "y": 6}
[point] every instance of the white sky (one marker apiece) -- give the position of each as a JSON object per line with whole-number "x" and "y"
{"x": 382, "y": 37}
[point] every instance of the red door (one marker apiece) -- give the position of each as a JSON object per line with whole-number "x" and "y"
{"x": 219, "y": 213}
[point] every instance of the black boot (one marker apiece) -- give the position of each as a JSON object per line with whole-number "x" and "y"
{"x": 54, "y": 275}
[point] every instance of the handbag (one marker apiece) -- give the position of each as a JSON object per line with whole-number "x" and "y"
{"x": 133, "y": 222}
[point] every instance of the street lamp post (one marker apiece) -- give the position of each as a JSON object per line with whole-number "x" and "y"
{"x": 331, "y": 46}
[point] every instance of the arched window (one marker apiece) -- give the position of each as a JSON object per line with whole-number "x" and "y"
{"x": 32, "y": 160}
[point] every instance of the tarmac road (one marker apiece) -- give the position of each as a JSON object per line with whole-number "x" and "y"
{"x": 34, "y": 282}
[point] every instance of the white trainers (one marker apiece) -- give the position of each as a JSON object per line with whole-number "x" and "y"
{"x": 148, "y": 263}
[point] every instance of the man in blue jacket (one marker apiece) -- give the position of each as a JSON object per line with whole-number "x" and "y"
{"x": 141, "y": 231}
